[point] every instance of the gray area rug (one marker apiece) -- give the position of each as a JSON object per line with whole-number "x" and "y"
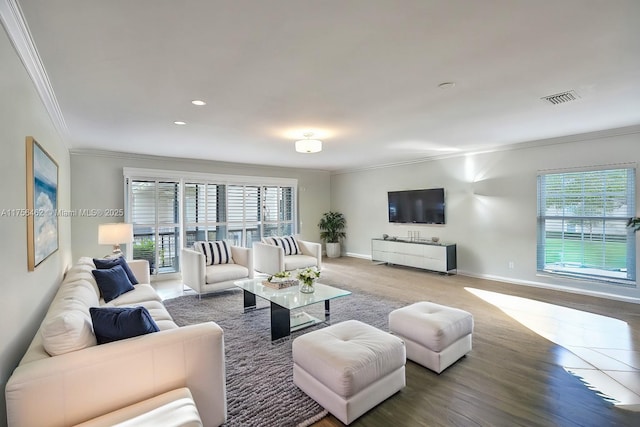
{"x": 260, "y": 389}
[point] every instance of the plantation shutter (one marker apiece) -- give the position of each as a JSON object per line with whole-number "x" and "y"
{"x": 154, "y": 212}
{"x": 278, "y": 211}
{"x": 206, "y": 207}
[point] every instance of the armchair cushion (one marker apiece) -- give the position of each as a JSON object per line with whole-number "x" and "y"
{"x": 288, "y": 243}
{"x": 225, "y": 272}
{"x": 296, "y": 262}
{"x": 217, "y": 252}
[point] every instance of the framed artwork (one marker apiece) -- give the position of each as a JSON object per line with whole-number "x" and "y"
{"x": 42, "y": 204}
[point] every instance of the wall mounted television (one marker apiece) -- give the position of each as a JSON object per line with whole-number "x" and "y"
{"x": 417, "y": 206}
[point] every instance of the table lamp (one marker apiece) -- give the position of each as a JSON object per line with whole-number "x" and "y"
{"x": 115, "y": 234}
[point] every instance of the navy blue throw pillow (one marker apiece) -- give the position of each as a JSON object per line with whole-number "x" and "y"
{"x": 104, "y": 263}
{"x": 112, "y": 282}
{"x": 119, "y": 323}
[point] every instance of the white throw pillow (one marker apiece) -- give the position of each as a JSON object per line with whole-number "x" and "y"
{"x": 69, "y": 330}
{"x": 68, "y": 326}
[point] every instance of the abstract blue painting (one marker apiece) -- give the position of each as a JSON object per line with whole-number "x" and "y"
{"x": 42, "y": 203}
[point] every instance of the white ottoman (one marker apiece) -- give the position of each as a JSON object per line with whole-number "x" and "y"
{"x": 435, "y": 335}
{"x": 349, "y": 367}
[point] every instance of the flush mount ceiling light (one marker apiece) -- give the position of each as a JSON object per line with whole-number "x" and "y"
{"x": 308, "y": 145}
{"x": 179, "y": 123}
{"x": 198, "y": 102}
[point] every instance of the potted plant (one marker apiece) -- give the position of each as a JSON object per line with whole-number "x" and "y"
{"x": 332, "y": 226}
{"x": 634, "y": 223}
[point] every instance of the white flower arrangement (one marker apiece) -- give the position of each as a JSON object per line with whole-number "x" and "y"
{"x": 279, "y": 277}
{"x": 308, "y": 275}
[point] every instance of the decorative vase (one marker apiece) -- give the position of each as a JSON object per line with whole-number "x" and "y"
{"x": 306, "y": 286}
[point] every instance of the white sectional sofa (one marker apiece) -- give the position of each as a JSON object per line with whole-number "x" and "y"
{"x": 176, "y": 375}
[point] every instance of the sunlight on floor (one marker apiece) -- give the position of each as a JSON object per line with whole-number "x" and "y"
{"x": 602, "y": 353}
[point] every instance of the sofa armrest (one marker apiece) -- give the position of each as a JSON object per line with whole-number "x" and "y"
{"x": 193, "y": 269}
{"x": 140, "y": 269}
{"x": 75, "y": 387}
{"x": 268, "y": 259}
{"x": 243, "y": 257}
{"x": 312, "y": 249}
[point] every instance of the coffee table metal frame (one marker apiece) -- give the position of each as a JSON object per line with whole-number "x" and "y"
{"x": 282, "y": 301}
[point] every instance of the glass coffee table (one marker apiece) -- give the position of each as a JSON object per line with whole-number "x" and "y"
{"x": 283, "y": 322}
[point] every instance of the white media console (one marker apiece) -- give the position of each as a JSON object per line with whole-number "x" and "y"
{"x": 415, "y": 253}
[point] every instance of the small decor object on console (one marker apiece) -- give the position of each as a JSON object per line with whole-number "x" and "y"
{"x": 307, "y": 277}
{"x": 435, "y": 239}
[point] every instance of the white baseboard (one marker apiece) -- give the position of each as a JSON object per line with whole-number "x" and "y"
{"x": 355, "y": 255}
{"x": 552, "y": 287}
{"x": 531, "y": 283}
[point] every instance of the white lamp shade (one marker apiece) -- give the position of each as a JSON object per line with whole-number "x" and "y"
{"x": 308, "y": 146}
{"x": 115, "y": 233}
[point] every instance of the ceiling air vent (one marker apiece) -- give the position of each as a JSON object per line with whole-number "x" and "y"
{"x": 562, "y": 97}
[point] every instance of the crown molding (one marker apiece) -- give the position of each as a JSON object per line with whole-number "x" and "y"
{"x": 601, "y": 134}
{"x": 20, "y": 36}
{"x": 90, "y": 152}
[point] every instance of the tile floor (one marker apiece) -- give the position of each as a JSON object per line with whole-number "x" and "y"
{"x": 598, "y": 349}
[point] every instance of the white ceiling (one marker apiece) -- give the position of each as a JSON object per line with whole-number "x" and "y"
{"x": 363, "y": 74}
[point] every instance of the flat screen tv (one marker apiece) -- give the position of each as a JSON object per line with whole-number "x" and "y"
{"x": 417, "y": 206}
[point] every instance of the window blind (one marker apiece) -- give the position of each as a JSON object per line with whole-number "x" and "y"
{"x": 582, "y": 219}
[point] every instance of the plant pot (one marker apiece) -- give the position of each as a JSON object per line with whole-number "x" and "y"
{"x": 333, "y": 250}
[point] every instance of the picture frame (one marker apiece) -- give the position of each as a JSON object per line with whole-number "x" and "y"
{"x": 42, "y": 204}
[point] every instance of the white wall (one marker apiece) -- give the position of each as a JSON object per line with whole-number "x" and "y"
{"x": 490, "y": 203}
{"x": 98, "y": 183}
{"x": 24, "y": 295}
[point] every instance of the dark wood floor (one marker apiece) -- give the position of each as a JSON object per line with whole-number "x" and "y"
{"x": 512, "y": 376}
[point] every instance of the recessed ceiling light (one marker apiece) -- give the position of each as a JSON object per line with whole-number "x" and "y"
{"x": 446, "y": 85}
{"x": 178, "y": 122}
{"x": 198, "y": 102}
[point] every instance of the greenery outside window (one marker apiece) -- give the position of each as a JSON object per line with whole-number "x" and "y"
{"x": 582, "y": 218}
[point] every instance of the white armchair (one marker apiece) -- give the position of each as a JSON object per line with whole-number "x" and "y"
{"x": 271, "y": 259}
{"x": 204, "y": 278}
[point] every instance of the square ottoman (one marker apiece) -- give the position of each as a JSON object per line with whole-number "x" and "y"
{"x": 435, "y": 335}
{"x": 349, "y": 367}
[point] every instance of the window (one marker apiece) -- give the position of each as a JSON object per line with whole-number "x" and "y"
{"x": 582, "y": 219}
{"x": 154, "y": 213}
{"x": 204, "y": 212}
{"x": 277, "y": 211}
{"x": 240, "y": 214}
{"x": 171, "y": 209}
